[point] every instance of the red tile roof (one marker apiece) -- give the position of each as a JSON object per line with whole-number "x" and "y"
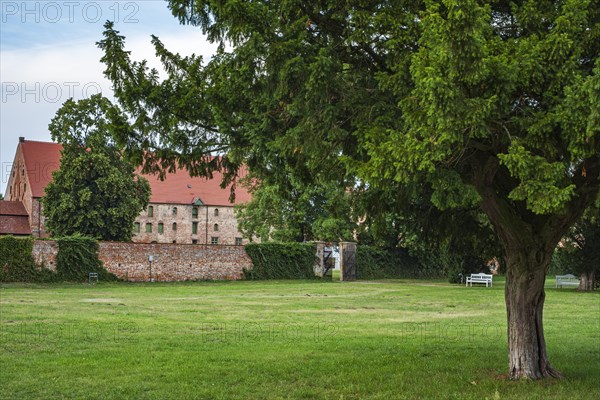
{"x": 12, "y": 208}
{"x": 41, "y": 158}
{"x": 14, "y": 219}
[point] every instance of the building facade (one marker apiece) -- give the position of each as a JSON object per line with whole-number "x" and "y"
{"x": 182, "y": 209}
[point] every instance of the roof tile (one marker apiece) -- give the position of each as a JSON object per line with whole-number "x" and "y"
{"x": 42, "y": 158}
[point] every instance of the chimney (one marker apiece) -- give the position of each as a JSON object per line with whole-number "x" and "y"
{"x": 21, "y": 139}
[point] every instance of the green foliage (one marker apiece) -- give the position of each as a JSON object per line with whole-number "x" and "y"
{"x": 579, "y": 252}
{"x": 380, "y": 263}
{"x": 16, "y": 259}
{"x": 281, "y": 261}
{"x": 296, "y": 213}
{"x": 17, "y": 263}
{"x": 77, "y": 257}
{"x": 95, "y": 192}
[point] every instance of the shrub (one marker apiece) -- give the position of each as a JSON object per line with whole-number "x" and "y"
{"x": 380, "y": 263}
{"x": 281, "y": 261}
{"x": 77, "y": 257}
{"x": 16, "y": 259}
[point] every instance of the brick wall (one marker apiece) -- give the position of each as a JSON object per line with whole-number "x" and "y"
{"x": 44, "y": 252}
{"x": 171, "y": 262}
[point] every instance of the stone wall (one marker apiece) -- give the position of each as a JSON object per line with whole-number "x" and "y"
{"x": 44, "y": 252}
{"x": 168, "y": 262}
{"x": 174, "y": 223}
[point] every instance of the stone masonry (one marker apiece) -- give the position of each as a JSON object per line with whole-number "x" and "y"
{"x": 174, "y": 223}
{"x": 160, "y": 261}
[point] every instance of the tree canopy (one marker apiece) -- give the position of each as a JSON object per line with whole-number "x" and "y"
{"x": 487, "y": 104}
{"x": 95, "y": 192}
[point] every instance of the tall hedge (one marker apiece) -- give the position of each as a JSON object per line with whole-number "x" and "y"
{"x": 77, "y": 257}
{"x": 16, "y": 259}
{"x": 281, "y": 261}
{"x": 380, "y": 263}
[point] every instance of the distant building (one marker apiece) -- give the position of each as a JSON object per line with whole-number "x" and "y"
{"x": 14, "y": 219}
{"x": 182, "y": 209}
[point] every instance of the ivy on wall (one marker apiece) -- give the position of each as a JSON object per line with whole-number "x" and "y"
{"x": 77, "y": 257}
{"x": 16, "y": 259}
{"x": 281, "y": 261}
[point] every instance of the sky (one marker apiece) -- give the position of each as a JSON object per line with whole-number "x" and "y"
{"x": 48, "y": 55}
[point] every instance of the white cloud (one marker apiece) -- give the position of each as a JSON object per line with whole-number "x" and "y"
{"x": 37, "y": 80}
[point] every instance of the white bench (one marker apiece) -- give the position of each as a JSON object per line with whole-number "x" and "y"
{"x": 566, "y": 280}
{"x": 479, "y": 278}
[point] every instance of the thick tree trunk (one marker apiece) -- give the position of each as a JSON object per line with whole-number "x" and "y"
{"x": 524, "y": 293}
{"x": 528, "y": 241}
{"x": 586, "y": 281}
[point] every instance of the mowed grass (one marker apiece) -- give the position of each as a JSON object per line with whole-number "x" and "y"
{"x": 397, "y": 339}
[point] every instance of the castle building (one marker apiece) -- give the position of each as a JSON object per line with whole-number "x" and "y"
{"x": 182, "y": 209}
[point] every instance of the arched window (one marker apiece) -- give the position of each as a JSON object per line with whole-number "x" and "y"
{"x": 216, "y": 212}
{"x": 174, "y": 226}
{"x": 194, "y": 212}
{"x": 174, "y": 210}
{"x": 160, "y": 228}
{"x": 216, "y": 227}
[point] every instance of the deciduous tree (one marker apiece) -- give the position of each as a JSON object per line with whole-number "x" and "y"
{"x": 95, "y": 192}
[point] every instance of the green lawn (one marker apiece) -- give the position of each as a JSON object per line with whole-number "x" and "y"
{"x": 283, "y": 339}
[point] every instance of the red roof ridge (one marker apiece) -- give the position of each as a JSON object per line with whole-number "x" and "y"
{"x": 172, "y": 190}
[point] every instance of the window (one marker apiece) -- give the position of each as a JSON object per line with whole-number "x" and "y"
{"x": 238, "y": 241}
{"x": 136, "y": 227}
{"x": 216, "y": 227}
{"x": 174, "y": 226}
{"x": 161, "y": 228}
{"x": 148, "y": 227}
{"x": 214, "y": 240}
{"x": 151, "y": 211}
{"x": 194, "y": 241}
{"x": 194, "y": 228}
{"x": 194, "y": 212}
{"x": 174, "y": 210}
{"x": 216, "y": 212}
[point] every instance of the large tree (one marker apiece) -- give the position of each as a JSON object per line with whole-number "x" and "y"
{"x": 492, "y": 104}
{"x": 95, "y": 192}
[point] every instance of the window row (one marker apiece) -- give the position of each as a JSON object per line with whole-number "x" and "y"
{"x": 161, "y": 228}
{"x": 194, "y": 211}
